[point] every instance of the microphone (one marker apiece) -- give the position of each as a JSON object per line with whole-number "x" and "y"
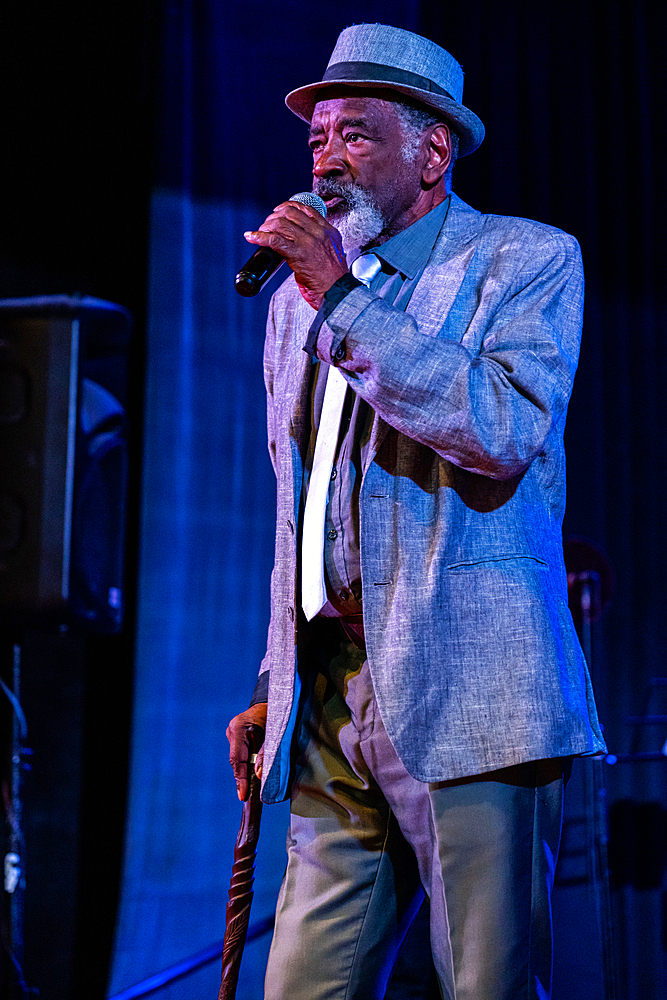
{"x": 265, "y": 261}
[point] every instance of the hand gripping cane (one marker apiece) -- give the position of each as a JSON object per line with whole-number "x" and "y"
{"x": 243, "y": 872}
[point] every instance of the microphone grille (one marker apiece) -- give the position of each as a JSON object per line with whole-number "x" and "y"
{"x": 314, "y": 200}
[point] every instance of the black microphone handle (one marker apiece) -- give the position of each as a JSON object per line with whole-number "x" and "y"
{"x": 256, "y": 271}
{"x": 265, "y": 261}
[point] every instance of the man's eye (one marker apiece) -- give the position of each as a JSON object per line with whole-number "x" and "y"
{"x": 353, "y": 137}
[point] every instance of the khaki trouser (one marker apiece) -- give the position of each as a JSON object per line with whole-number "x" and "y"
{"x": 366, "y": 839}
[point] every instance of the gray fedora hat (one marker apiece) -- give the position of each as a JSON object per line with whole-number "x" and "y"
{"x": 380, "y": 56}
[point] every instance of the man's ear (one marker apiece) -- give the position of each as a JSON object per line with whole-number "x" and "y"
{"x": 439, "y": 155}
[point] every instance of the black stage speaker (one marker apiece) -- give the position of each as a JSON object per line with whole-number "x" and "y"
{"x": 63, "y": 459}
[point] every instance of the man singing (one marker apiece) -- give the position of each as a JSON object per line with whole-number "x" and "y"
{"x": 423, "y": 691}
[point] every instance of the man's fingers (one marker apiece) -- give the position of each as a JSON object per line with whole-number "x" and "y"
{"x": 280, "y": 228}
{"x": 283, "y": 243}
{"x": 240, "y": 769}
{"x": 295, "y": 211}
{"x": 239, "y": 754}
{"x": 239, "y": 765}
{"x": 293, "y": 221}
{"x": 238, "y": 734}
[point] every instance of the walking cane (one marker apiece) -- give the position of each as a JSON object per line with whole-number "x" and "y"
{"x": 243, "y": 876}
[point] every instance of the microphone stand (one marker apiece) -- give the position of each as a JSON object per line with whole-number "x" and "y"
{"x": 587, "y": 586}
{"x": 14, "y": 860}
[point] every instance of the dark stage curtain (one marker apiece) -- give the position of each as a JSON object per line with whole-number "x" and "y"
{"x": 572, "y": 96}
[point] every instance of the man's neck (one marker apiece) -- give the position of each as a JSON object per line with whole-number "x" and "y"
{"x": 426, "y": 202}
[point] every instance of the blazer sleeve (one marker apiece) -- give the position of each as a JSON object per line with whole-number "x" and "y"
{"x": 488, "y": 410}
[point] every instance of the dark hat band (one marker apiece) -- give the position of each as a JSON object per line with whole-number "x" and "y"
{"x": 366, "y": 71}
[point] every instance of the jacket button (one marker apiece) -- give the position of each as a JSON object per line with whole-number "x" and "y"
{"x": 341, "y": 351}
{"x": 332, "y": 534}
{"x": 290, "y": 612}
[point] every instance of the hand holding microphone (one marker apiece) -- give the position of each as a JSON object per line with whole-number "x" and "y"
{"x": 296, "y": 231}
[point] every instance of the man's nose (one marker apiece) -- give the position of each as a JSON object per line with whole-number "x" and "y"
{"x": 330, "y": 159}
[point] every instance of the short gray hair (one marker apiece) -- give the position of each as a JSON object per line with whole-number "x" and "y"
{"x": 415, "y": 119}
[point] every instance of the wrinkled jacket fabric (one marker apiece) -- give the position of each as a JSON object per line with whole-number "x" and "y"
{"x": 473, "y": 654}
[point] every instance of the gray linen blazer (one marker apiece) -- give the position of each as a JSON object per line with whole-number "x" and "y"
{"x": 473, "y": 654}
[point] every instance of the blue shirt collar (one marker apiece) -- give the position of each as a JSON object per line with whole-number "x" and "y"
{"x": 409, "y": 250}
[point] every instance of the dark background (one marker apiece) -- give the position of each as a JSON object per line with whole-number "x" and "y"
{"x": 103, "y": 106}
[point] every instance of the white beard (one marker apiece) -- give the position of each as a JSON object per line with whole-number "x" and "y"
{"x": 361, "y": 221}
{"x": 361, "y": 225}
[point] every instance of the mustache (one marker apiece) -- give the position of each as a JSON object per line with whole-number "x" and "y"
{"x": 335, "y": 189}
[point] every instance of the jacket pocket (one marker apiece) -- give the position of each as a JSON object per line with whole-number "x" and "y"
{"x": 465, "y": 563}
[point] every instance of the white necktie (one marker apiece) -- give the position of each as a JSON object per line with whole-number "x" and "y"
{"x": 313, "y": 590}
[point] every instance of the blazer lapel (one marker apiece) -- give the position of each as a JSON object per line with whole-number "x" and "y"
{"x": 443, "y": 275}
{"x": 439, "y": 285}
